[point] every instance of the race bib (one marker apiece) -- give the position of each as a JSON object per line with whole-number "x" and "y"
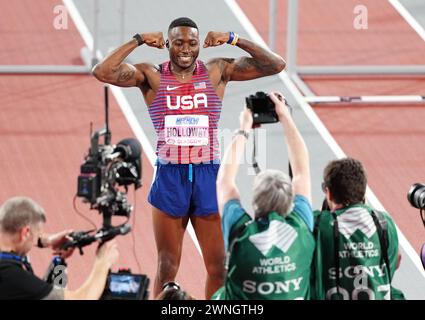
{"x": 186, "y": 130}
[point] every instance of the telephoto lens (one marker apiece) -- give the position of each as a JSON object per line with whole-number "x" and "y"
{"x": 416, "y": 195}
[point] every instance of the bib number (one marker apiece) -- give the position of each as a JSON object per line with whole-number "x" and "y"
{"x": 186, "y": 130}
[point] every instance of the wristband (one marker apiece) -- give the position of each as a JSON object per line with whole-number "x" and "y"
{"x": 231, "y": 37}
{"x": 139, "y": 39}
{"x": 241, "y": 132}
{"x": 235, "y": 39}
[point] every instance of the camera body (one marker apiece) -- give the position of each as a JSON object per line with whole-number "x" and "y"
{"x": 416, "y": 195}
{"x": 106, "y": 167}
{"x": 105, "y": 175}
{"x": 124, "y": 285}
{"x": 262, "y": 108}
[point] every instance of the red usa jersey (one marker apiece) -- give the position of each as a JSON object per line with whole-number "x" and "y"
{"x": 185, "y": 117}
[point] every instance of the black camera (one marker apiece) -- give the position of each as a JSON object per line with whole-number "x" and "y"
{"x": 262, "y": 108}
{"x": 416, "y": 195}
{"x": 124, "y": 285}
{"x": 105, "y": 175}
{"x": 107, "y": 166}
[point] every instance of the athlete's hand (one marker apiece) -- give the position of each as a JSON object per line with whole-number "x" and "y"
{"x": 215, "y": 39}
{"x": 154, "y": 39}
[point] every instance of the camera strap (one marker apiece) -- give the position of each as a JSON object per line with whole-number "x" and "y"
{"x": 8, "y": 256}
{"x": 254, "y": 156}
{"x": 382, "y": 230}
{"x": 336, "y": 252}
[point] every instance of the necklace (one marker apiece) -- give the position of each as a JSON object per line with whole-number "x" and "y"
{"x": 183, "y": 74}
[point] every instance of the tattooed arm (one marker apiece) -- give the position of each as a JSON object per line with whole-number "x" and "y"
{"x": 261, "y": 63}
{"x": 114, "y": 71}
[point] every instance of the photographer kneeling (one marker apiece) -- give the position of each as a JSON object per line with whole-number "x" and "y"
{"x": 269, "y": 257}
{"x": 21, "y": 226}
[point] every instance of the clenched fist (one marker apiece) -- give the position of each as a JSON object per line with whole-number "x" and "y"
{"x": 154, "y": 39}
{"x": 215, "y": 39}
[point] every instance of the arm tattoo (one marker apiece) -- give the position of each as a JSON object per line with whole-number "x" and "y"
{"x": 124, "y": 76}
{"x": 261, "y": 63}
{"x": 246, "y": 64}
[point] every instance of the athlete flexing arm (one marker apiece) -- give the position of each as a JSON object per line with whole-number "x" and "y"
{"x": 183, "y": 47}
{"x": 115, "y": 71}
{"x": 261, "y": 63}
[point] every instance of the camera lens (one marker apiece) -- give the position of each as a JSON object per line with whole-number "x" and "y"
{"x": 416, "y": 195}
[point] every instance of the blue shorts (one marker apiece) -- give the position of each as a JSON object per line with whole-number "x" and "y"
{"x": 185, "y": 189}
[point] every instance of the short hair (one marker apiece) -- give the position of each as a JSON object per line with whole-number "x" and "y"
{"x": 182, "y": 22}
{"x": 17, "y": 212}
{"x": 272, "y": 193}
{"x": 346, "y": 180}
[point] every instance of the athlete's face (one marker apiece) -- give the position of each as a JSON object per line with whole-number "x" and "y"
{"x": 183, "y": 45}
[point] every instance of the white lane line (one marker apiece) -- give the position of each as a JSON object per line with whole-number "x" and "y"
{"x": 408, "y": 17}
{"x": 122, "y": 102}
{"x": 320, "y": 127}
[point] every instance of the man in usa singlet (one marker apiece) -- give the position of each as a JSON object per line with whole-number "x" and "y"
{"x": 184, "y": 100}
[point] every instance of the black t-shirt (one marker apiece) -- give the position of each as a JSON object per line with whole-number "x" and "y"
{"x": 16, "y": 283}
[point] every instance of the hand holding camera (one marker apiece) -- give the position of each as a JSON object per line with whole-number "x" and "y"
{"x": 56, "y": 241}
{"x": 266, "y": 108}
{"x": 281, "y": 108}
{"x": 108, "y": 253}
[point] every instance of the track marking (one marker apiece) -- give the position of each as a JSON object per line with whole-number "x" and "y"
{"x": 320, "y": 127}
{"x": 408, "y": 17}
{"x": 122, "y": 101}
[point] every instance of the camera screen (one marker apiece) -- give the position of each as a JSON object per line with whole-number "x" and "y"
{"x": 124, "y": 285}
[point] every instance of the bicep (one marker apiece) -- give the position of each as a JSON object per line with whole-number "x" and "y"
{"x": 129, "y": 75}
{"x": 246, "y": 68}
{"x": 126, "y": 75}
{"x": 240, "y": 69}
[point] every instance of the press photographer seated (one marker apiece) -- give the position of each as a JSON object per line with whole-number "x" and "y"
{"x": 269, "y": 257}
{"x": 21, "y": 226}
